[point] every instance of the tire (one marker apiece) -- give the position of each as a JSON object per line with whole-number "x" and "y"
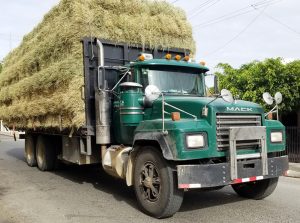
{"x": 29, "y": 151}
{"x": 158, "y": 196}
{"x": 45, "y": 154}
{"x": 256, "y": 190}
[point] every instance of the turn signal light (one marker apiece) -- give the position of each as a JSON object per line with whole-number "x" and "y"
{"x": 177, "y": 57}
{"x": 202, "y": 63}
{"x": 270, "y": 116}
{"x": 175, "y": 116}
{"x": 141, "y": 58}
{"x": 186, "y": 58}
{"x": 168, "y": 56}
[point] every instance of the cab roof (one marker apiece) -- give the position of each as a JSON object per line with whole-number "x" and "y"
{"x": 165, "y": 62}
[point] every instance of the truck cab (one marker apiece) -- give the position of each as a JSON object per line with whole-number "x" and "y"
{"x": 175, "y": 79}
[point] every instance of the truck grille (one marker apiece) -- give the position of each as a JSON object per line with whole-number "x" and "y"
{"x": 224, "y": 121}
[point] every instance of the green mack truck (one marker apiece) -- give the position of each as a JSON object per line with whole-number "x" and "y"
{"x": 149, "y": 122}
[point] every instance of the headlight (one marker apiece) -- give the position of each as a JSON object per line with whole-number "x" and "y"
{"x": 195, "y": 141}
{"x": 276, "y": 136}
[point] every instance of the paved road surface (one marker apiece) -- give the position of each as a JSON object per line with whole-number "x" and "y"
{"x": 86, "y": 194}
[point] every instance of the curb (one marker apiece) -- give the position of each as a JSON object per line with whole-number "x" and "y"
{"x": 294, "y": 170}
{"x": 292, "y": 173}
{"x": 6, "y": 134}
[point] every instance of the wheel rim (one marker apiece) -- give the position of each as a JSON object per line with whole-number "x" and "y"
{"x": 150, "y": 184}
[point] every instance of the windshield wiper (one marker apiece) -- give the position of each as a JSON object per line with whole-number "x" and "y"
{"x": 175, "y": 91}
{"x": 170, "y": 91}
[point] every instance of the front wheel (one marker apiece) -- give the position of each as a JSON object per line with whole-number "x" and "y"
{"x": 257, "y": 189}
{"x": 155, "y": 185}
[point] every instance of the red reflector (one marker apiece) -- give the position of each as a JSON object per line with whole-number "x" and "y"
{"x": 237, "y": 181}
{"x": 183, "y": 186}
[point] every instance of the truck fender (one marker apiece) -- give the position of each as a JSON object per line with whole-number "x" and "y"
{"x": 147, "y": 138}
{"x": 129, "y": 170}
{"x": 164, "y": 142}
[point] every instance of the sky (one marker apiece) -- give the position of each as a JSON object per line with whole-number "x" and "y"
{"x": 225, "y": 31}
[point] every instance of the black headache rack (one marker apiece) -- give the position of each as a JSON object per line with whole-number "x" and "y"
{"x": 115, "y": 54}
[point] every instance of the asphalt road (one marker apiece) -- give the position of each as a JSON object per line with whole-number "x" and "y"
{"x": 86, "y": 194}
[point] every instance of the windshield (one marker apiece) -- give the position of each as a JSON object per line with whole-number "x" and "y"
{"x": 174, "y": 81}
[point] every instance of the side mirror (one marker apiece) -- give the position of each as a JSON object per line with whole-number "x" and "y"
{"x": 226, "y": 95}
{"x": 278, "y": 98}
{"x": 152, "y": 93}
{"x": 268, "y": 98}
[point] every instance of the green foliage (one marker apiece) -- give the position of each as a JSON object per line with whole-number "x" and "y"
{"x": 251, "y": 80}
{"x": 0, "y": 67}
{"x": 211, "y": 91}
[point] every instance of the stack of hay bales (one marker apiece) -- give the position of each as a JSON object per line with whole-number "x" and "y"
{"x": 41, "y": 79}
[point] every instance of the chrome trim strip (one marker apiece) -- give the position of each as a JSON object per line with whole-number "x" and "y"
{"x": 131, "y": 108}
{"x": 132, "y": 113}
{"x": 248, "y": 156}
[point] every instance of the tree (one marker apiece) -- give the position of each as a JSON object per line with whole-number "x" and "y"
{"x": 0, "y": 67}
{"x": 251, "y": 80}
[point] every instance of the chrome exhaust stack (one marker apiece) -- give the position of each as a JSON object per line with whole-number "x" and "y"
{"x": 102, "y": 102}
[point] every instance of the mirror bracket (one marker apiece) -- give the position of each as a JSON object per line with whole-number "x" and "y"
{"x": 216, "y": 85}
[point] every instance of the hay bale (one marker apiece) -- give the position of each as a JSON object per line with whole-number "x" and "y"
{"x": 41, "y": 79}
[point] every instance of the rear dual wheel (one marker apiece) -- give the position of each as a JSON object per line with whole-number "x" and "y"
{"x": 30, "y": 150}
{"x": 45, "y": 154}
{"x": 155, "y": 185}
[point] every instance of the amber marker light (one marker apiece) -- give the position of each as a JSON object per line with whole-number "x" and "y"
{"x": 168, "y": 56}
{"x": 175, "y": 116}
{"x": 186, "y": 58}
{"x": 270, "y": 116}
{"x": 141, "y": 58}
{"x": 202, "y": 63}
{"x": 177, "y": 57}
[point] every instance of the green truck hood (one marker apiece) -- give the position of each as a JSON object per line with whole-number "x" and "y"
{"x": 177, "y": 130}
